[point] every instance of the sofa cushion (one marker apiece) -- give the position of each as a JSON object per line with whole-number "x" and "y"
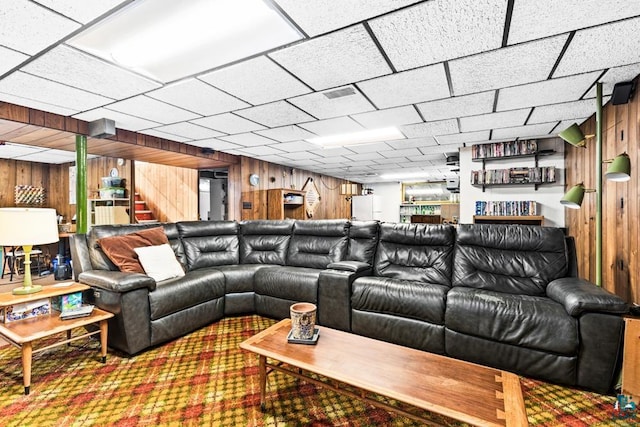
{"x": 289, "y": 283}
{"x": 196, "y": 287}
{"x": 515, "y": 259}
{"x": 404, "y": 298}
{"x": 120, "y": 248}
{"x": 526, "y": 321}
{"x": 264, "y": 242}
{"x": 363, "y": 239}
{"x": 416, "y": 252}
{"x": 209, "y": 243}
{"x": 316, "y": 244}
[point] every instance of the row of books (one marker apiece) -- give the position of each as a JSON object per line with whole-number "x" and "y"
{"x": 538, "y": 175}
{"x": 503, "y": 149}
{"x": 507, "y": 208}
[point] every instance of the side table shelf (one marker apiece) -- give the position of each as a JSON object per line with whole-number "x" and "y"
{"x": 22, "y": 333}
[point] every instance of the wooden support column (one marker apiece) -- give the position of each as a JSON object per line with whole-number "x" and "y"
{"x": 81, "y": 184}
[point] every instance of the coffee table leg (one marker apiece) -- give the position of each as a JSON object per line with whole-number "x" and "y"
{"x": 103, "y": 340}
{"x": 263, "y": 381}
{"x": 27, "y": 352}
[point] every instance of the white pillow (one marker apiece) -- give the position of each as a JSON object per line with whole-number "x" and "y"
{"x": 159, "y": 262}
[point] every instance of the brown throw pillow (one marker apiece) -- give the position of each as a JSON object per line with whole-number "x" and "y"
{"x": 120, "y": 251}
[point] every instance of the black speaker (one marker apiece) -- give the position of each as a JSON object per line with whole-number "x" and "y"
{"x": 621, "y": 93}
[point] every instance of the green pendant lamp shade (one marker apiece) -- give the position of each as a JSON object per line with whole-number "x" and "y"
{"x": 620, "y": 169}
{"x": 574, "y": 136}
{"x": 573, "y": 198}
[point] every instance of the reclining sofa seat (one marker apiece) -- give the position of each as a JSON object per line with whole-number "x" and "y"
{"x": 514, "y": 307}
{"x": 404, "y": 301}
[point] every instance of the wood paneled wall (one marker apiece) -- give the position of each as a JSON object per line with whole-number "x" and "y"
{"x": 332, "y": 204}
{"x": 171, "y": 192}
{"x": 620, "y": 202}
{"x": 16, "y": 172}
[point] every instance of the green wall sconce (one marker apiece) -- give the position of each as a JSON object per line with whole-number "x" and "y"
{"x": 574, "y": 136}
{"x": 573, "y": 198}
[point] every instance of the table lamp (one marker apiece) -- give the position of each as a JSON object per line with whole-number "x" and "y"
{"x": 27, "y": 227}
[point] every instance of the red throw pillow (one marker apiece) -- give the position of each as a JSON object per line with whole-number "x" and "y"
{"x": 120, "y": 251}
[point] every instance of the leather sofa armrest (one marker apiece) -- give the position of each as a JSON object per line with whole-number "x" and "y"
{"x": 579, "y": 296}
{"x": 116, "y": 281}
{"x": 352, "y": 266}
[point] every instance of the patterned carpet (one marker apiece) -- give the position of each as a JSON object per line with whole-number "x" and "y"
{"x": 205, "y": 379}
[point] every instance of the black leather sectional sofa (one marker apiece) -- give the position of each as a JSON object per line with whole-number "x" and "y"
{"x": 500, "y": 295}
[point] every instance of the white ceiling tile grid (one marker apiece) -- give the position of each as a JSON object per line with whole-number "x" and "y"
{"x": 436, "y": 69}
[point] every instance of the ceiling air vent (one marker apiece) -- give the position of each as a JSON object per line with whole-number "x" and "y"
{"x": 339, "y": 93}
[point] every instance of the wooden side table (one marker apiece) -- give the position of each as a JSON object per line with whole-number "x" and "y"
{"x": 631, "y": 358}
{"x": 22, "y": 333}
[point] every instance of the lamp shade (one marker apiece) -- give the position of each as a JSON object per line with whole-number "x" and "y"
{"x": 573, "y": 198}
{"x": 573, "y": 135}
{"x": 28, "y": 226}
{"x": 619, "y": 169}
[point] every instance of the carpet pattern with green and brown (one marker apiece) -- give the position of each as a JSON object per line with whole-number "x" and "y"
{"x": 205, "y": 379}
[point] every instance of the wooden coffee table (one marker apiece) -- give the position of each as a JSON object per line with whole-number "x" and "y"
{"x": 460, "y": 390}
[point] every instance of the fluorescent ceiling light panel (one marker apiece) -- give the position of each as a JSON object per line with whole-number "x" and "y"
{"x": 168, "y": 40}
{"x": 360, "y": 137}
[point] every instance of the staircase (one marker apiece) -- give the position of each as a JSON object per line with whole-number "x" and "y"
{"x": 142, "y": 214}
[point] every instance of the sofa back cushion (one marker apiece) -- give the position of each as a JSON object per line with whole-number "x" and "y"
{"x": 100, "y": 260}
{"x": 363, "y": 239}
{"x": 316, "y": 244}
{"x": 209, "y": 243}
{"x": 418, "y": 252}
{"x": 264, "y": 242}
{"x": 515, "y": 259}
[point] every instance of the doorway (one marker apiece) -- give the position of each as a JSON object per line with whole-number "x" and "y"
{"x": 212, "y": 195}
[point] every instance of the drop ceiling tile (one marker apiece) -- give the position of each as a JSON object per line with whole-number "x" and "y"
{"x": 444, "y": 148}
{"x": 123, "y": 121}
{"x": 29, "y": 28}
{"x": 457, "y": 106}
{"x": 494, "y": 120}
{"x": 216, "y": 144}
{"x": 320, "y": 16}
{"x": 566, "y": 123}
{"x": 332, "y": 126}
{"x": 567, "y": 110}
{"x": 409, "y": 152}
{"x": 189, "y": 131}
{"x": 279, "y": 113}
{"x": 273, "y": 158}
{"x": 391, "y": 117}
{"x": 463, "y": 138}
{"x": 408, "y": 87}
{"x": 303, "y": 163}
{"x": 441, "y": 127}
{"x": 9, "y": 59}
{"x": 82, "y": 11}
{"x": 165, "y": 135}
{"x": 321, "y": 107}
{"x": 384, "y": 161}
{"x": 529, "y": 131}
{"x": 247, "y": 139}
{"x": 246, "y": 80}
{"x": 78, "y": 69}
{"x": 46, "y": 156}
{"x": 286, "y": 133}
{"x": 546, "y": 92}
{"x": 439, "y": 30}
{"x": 335, "y": 59}
{"x": 152, "y": 109}
{"x": 10, "y": 150}
{"x": 591, "y": 49}
{"x": 543, "y": 18}
{"x": 364, "y": 156}
{"x": 335, "y": 160}
{"x": 260, "y": 151}
{"x": 367, "y": 148}
{"x": 615, "y": 75}
{"x": 509, "y": 66}
{"x": 331, "y": 152}
{"x": 44, "y": 106}
{"x": 198, "y": 97}
{"x": 293, "y": 147}
{"x": 228, "y": 123}
{"x": 412, "y": 143}
{"x": 31, "y": 87}
{"x": 298, "y": 155}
